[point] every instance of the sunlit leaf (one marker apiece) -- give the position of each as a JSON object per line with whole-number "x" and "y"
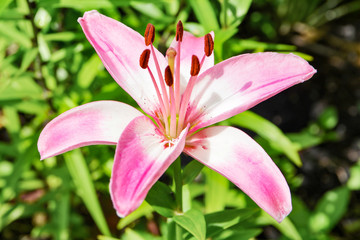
{"x": 205, "y": 14}
{"x": 80, "y": 173}
{"x": 331, "y": 207}
{"x": 194, "y": 222}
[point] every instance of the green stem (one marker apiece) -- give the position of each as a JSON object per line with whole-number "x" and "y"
{"x": 178, "y": 184}
{"x": 178, "y": 194}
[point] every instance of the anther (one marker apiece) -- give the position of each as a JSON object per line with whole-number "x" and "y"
{"x": 144, "y": 58}
{"x": 195, "y": 66}
{"x": 209, "y": 44}
{"x": 149, "y": 34}
{"x": 179, "y": 31}
{"x": 168, "y": 76}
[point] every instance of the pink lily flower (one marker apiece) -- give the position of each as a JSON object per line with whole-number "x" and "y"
{"x": 183, "y": 93}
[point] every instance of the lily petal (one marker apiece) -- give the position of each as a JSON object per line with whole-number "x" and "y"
{"x": 192, "y": 45}
{"x": 99, "y": 122}
{"x": 241, "y": 82}
{"x": 119, "y": 48}
{"x": 142, "y": 156}
{"x": 239, "y": 158}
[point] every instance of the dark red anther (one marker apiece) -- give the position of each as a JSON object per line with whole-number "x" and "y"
{"x": 209, "y": 44}
{"x": 169, "y": 79}
{"x": 144, "y": 58}
{"x": 149, "y": 34}
{"x": 195, "y": 66}
{"x": 179, "y": 31}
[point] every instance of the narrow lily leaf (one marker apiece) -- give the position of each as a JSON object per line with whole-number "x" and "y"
{"x": 62, "y": 217}
{"x": 216, "y": 190}
{"x": 191, "y": 171}
{"x": 219, "y": 221}
{"x": 194, "y": 222}
{"x": 329, "y": 210}
{"x": 20, "y": 88}
{"x": 62, "y": 36}
{"x": 268, "y": 131}
{"x": 205, "y": 14}
{"x": 101, "y": 237}
{"x": 89, "y": 71}
{"x": 4, "y": 4}
{"x": 144, "y": 210}
{"x": 28, "y": 58}
{"x": 354, "y": 181}
{"x": 10, "y": 32}
{"x": 239, "y": 234}
{"x": 26, "y": 153}
{"x": 160, "y": 198}
{"x": 286, "y": 227}
{"x": 80, "y": 173}
{"x": 233, "y": 12}
{"x": 9, "y": 212}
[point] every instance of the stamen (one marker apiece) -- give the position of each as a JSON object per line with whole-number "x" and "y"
{"x": 209, "y": 44}
{"x": 149, "y": 34}
{"x": 179, "y": 31}
{"x": 171, "y": 53}
{"x": 168, "y": 76}
{"x": 144, "y": 58}
{"x": 195, "y": 66}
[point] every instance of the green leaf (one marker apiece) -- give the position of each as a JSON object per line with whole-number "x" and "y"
{"x": 205, "y": 14}
{"x": 9, "y": 31}
{"x": 233, "y": 12}
{"x": 62, "y": 216}
{"x": 144, "y": 210}
{"x": 329, "y": 118}
{"x": 354, "y": 180}
{"x": 239, "y": 234}
{"x": 161, "y": 199}
{"x": 268, "y": 131}
{"x": 217, "y": 187}
{"x": 191, "y": 171}
{"x": 28, "y": 58}
{"x": 219, "y": 221}
{"x": 101, "y": 237}
{"x": 20, "y": 88}
{"x": 329, "y": 210}
{"x": 242, "y": 45}
{"x": 85, "y": 188}
{"x": 286, "y": 227}
{"x": 194, "y": 222}
{"x": 89, "y": 71}
{"x": 63, "y": 36}
{"x": 44, "y": 49}
{"x": 90, "y": 4}
{"x": 4, "y": 4}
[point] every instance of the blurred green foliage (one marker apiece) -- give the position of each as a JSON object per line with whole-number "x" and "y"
{"x": 47, "y": 67}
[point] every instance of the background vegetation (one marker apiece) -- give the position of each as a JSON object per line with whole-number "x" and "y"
{"x": 311, "y": 130}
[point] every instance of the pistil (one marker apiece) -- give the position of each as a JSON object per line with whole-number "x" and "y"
{"x": 169, "y": 79}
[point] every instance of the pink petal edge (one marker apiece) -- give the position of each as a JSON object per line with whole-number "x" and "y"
{"x": 99, "y": 122}
{"x": 119, "y": 48}
{"x": 142, "y": 156}
{"x": 235, "y": 155}
{"x": 241, "y": 82}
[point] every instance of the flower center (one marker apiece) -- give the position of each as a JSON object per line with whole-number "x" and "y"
{"x": 171, "y": 116}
